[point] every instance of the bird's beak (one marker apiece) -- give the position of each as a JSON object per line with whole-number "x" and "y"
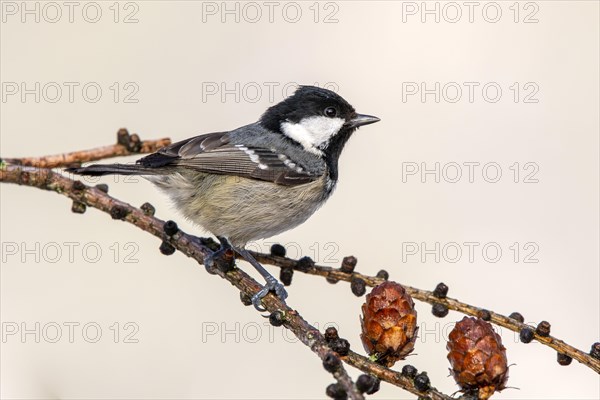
{"x": 360, "y": 120}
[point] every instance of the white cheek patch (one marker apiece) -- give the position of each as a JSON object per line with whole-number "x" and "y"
{"x": 312, "y": 132}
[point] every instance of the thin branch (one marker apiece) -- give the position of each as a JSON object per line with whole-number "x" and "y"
{"x": 48, "y": 180}
{"x": 428, "y": 297}
{"x": 189, "y": 245}
{"x": 391, "y": 376}
{"x": 126, "y": 145}
{"x": 185, "y": 243}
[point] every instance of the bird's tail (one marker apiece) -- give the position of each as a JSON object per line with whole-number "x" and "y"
{"x": 113, "y": 169}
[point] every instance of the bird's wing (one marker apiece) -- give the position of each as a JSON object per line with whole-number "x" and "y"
{"x": 215, "y": 153}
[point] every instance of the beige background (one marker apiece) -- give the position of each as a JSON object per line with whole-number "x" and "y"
{"x": 170, "y": 55}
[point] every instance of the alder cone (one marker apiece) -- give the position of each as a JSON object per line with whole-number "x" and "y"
{"x": 389, "y": 323}
{"x": 477, "y": 357}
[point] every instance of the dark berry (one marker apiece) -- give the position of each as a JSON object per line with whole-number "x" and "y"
{"x": 543, "y": 328}
{"x": 526, "y": 335}
{"x": 148, "y": 209}
{"x": 383, "y": 274}
{"x": 246, "y": 299}
{"x": 375, "y": 387}
{"x": 166, "y": 248}
{"x": 305, "y": 264}
{"x": 276, "y": 318}
{"x": 358, "y": 286}
{"x": 367, "y": 384}
{"x": 517, "y": 317}
{"x": 277, "y": 250}
{"x": 340, "y": 346}
{"x": 336, "y": 391}
{"x": 103, "y": 187}
{"x": 332, "y": 280}
{"x": 123, "y": 137}
{"x": 210, "y": 243}
{"x": 484, "y": 315}
{"x": 563, "y": 359}
{"x": 409, "y": 371}
{"x": 118, "y": 212}
{"x": 170, "y": 228}
{"x": 224, "y": 260}
{"x": 78, "y": 207}
{"x": 595, "y": 350}
{"x": 78, "y": 186}
{"x": 422, "y": 383}
{"x": 441, "y": 290}
{"x": 135, "y": 143}
{"x": 285, "y": 275}
{"x": 348, "y": 264}
{"x": 331, "y": 363}
{"x": 331, "y": 334}
{"x": 439, "y": 310}
{"x": 211, "y": 268}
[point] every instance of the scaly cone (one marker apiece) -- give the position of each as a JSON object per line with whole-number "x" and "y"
{"x": 477, "y": 357}
{"x": 389, "y": 323}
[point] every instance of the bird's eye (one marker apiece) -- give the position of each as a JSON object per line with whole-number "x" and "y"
{"x": 330, "y": 112}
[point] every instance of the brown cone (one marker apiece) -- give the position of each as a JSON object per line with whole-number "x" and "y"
{"x": 389, "y": 323}
{"x": 477, "y": 357}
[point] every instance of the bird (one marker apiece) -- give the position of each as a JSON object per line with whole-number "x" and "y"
{"x": 258, "y": 180}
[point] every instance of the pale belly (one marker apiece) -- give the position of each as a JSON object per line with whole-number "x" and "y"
{"x": 242, "y": 209}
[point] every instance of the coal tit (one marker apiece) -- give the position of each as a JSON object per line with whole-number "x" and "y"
{"x": 259, "y": 180}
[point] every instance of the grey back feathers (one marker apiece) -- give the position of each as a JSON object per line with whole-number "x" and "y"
{"x": 295, "y": 142}
{"x": 250, "y": 152}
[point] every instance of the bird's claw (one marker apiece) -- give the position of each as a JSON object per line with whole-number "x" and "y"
{"x": 272, "y": 285}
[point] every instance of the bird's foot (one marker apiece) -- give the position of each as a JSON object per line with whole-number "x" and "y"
{"x": 272, "y": 285}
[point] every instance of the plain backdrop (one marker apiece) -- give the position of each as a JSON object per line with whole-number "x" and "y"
{"x": 488, "y": 141}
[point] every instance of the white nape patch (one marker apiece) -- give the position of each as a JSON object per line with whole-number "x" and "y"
{"x": 312, "y": 132}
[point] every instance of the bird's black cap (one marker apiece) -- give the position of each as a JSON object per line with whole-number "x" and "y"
{"x": 307, "y": 101}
